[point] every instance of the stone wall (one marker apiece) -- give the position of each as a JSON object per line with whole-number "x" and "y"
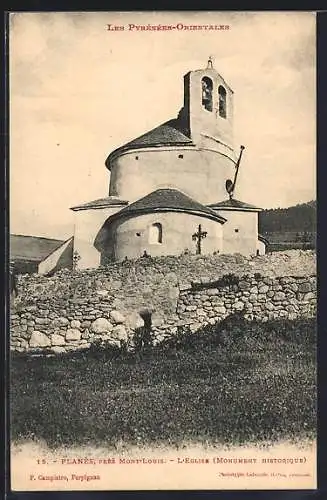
{"x": 259, "y": 298}
{"x": 72, "y": 310}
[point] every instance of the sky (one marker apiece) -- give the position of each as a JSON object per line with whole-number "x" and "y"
{"x": 78, "y": 91}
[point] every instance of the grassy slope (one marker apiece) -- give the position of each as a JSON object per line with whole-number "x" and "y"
{"x": 233, "y": 384}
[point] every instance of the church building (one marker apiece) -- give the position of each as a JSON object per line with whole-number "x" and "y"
{"x": 172, "y": 189}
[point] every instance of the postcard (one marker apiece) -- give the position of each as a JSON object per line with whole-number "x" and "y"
{"x": 162, "y": 250}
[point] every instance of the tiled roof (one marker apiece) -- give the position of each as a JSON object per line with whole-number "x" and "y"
{"x": 32, "y": 248}
{"x": 169, "y": 133}
{"x": 100, "y": 203}
{"x": 232, "y": 204}
{"x": 167, "y": 200}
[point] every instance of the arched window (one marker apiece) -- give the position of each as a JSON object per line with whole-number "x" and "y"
{"x": 155, "y": 233}
{"x": 206, "y": 93}
{"x": 222, "y": 101}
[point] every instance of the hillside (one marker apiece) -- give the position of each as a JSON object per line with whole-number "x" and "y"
{"x": 290, "y": 228}
{"x": 299, "y": 218}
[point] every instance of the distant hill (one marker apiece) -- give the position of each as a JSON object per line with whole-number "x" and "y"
{"x": 293, "y": 227}
{"x": 299, "y": 218}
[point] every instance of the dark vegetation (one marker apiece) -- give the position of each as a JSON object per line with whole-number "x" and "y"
{"x": 299, "y": 218}
{"x": 227, "y": 279}
{"x": 293, "y": 227}
{"x": 232, "y": 383}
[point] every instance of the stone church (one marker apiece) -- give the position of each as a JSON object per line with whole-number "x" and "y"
{"x": 172, "y": 189}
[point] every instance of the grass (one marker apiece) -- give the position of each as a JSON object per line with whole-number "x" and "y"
{"x": 232, "y": 383}
{"x": 280, "y": 246}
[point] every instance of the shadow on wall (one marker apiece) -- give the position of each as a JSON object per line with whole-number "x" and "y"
{"x": 104, "y": 242}
{"x": 25, "y": 267}
{"x": 65, "y": 260}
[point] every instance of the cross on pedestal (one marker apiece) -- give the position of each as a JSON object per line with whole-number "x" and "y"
{"x": 198, "y": 237}
{"x": 76, "y": 258}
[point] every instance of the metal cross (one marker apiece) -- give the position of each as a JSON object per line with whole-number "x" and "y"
{"x": 198, "y": 237}
{"x": 76, "y": 258}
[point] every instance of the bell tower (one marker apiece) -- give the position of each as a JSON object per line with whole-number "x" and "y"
{"x": 208, "y": 110}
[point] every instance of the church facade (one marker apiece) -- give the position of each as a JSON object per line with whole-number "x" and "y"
{"x": 172, "y": 189}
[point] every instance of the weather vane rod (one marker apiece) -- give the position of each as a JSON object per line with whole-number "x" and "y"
{"x": 231, "y": 194}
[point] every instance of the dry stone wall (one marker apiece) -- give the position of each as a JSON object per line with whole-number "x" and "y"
{"x": 73, "y": 310}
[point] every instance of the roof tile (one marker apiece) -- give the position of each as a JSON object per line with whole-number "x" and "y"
{"x": 100, "y": 203}
{"x": 168, "y": 133}
{"x": 32, "y": 248}
{"x": 165, "y": 200}
{"x": 236, "y": 204}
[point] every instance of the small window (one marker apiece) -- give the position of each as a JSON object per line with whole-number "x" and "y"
{"x": 206, "y": 93}
{"x": 155, "y": 234}
{"x": 236, "y": 230}
{"x": 222, "y": 101}
{"x": 136, "y": 157}
{"x": 138, "y": 234}
{"x": 180, "y": 156}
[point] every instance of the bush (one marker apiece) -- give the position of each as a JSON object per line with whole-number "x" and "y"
{"x": 260, "y": 385}
{"x": 226, "y": 280}
{"x": 235, "y": 331}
